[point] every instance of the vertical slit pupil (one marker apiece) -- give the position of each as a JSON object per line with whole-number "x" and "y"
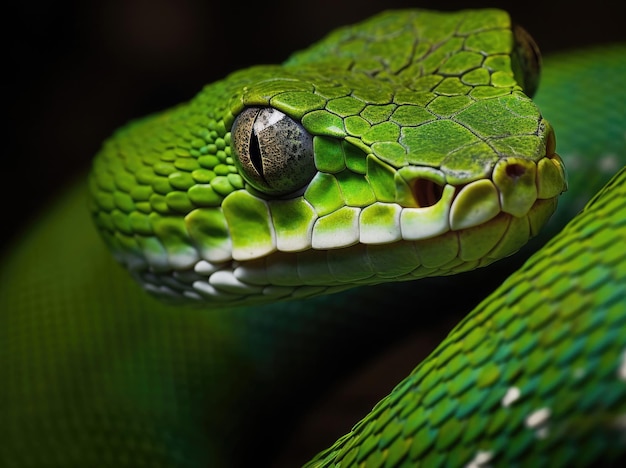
{"x": 255, "y": 153}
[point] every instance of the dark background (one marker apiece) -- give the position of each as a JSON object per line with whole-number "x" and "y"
{"x": 75, "y": 70}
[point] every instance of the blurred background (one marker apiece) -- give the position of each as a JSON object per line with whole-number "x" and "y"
{"x": 74, "y": 71}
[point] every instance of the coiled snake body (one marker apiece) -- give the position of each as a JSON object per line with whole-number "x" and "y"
{"x": 288, "y": 212}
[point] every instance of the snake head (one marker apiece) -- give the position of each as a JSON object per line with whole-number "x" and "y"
{"x": 382, "y": 153}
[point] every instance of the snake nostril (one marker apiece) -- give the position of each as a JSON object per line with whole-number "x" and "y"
{"x": 515, "y": 171}
{"x": 426, "y": 192}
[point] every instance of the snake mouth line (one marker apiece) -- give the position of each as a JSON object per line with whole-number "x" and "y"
{"x": 293, "y": 275}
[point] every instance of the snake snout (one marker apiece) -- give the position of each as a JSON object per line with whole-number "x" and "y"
{"x": 522, "y": 181}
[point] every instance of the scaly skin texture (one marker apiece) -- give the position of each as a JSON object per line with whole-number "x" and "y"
{"x": 97, "y": 373}
{"x": 407, "y": 177}
{"x": 508, "y": 385}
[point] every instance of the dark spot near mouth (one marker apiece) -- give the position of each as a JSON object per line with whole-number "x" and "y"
{"x": 426, "y": 192}
{"x": 515, "y": 171}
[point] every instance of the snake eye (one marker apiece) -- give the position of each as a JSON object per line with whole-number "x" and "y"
{"x": 273, "y": 152}
{"x": 526, "y": 60}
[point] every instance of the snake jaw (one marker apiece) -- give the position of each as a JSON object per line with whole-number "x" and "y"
{"x": 469, "y": 222}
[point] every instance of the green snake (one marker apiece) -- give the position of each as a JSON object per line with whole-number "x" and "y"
{"x": 284, "y": 222}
